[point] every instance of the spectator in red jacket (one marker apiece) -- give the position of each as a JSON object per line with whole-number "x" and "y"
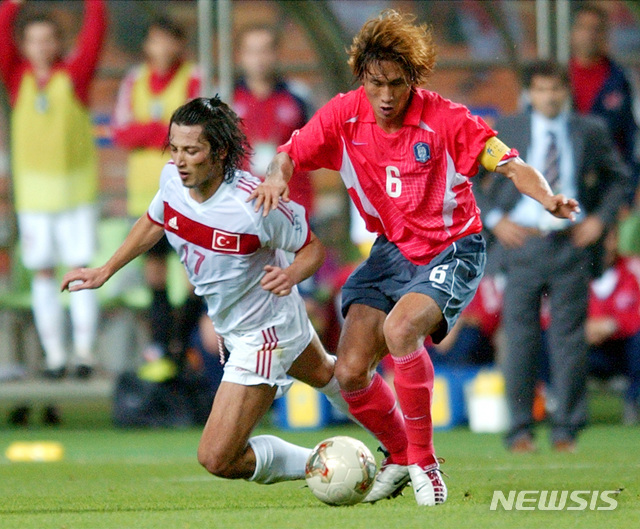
{"x": 613, "y": 325}
{"x": 599, "y": 85}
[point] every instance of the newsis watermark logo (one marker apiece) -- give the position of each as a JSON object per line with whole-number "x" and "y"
{"x": 555, "y": 500}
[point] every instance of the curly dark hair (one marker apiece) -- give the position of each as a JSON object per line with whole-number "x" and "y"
{"x": 220, "y": 128}
{"x": 393, "y": 36}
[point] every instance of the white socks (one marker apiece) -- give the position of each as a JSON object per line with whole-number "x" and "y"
{"x": 48, "y": 316}
{"x": 49, "y": 319}
{"x": 332, "y": 392}
{"x": 277, "y": 460}
{"x": 83, "y": 307}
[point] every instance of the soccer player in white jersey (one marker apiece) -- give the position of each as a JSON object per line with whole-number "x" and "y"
{"x": 235, "y": 258}
{"x": 405, "y": 155}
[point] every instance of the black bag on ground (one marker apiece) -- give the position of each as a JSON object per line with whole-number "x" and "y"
{"x": 178, "y": 403}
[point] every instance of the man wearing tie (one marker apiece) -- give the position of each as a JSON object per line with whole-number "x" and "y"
{"x": 546, "y": 256}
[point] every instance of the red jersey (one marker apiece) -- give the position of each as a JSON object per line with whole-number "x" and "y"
{"x": 586, "y": 83}
{"x": 616, "y": 294}
{"x": 411, "y": 185}
{"x": 267, "y": 123}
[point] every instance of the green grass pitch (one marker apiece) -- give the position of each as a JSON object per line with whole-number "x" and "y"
{"x": 150, "y": 479}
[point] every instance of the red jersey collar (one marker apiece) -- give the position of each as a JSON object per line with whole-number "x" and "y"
{"x": 163, "y": 79}
{"x": 412, "y": 117}
{"x": 57, "y": 65}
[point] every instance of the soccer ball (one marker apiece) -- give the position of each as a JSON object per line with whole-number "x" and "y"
{"x": 340, "y": 471}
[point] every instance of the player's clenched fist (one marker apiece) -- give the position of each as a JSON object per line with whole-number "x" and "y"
{"x": 276, "y": 281}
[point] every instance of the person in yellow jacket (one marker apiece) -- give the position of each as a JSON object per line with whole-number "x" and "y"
{"x": 148, "y": 95}
{"x": 54, "y": 167}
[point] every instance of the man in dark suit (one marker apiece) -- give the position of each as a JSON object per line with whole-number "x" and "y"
{"x": 543, "y": 256}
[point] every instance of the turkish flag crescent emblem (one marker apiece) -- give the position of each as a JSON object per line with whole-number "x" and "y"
{"x": 225, "y": 241}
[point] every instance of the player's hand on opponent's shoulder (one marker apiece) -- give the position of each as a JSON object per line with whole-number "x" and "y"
{"x": 277, "y": 281}
{"x": 562, "y": 207}
{"x": 274, "y": 187}
{"x": 268, "y": 194}
{"x": 84, "y": 278}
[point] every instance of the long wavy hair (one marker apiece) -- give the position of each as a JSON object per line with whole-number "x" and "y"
{"x": 221, "y": 128}
{"x": 394, "y": 36}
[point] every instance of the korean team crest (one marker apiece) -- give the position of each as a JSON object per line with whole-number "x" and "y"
{"x": 422, "y": 152}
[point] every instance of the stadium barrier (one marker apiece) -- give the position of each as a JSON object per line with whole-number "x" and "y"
{"x": 461, "y": 395}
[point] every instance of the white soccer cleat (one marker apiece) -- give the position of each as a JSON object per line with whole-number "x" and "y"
{"x": 389, "y": 482}
{"x": 428, "y": 486}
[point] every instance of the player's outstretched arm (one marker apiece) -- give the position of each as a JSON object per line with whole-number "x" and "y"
{"x": 275, "y": 184}
{"x": 530, "y": 182}
{"x": 307, "y": 261}
{"x": 141, "y": 238}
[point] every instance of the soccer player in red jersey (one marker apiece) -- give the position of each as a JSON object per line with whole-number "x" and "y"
{"x": 406, "y": 155}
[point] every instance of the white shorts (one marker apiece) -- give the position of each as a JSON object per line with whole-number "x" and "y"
{"x": 50, "y": 239}
{"x": 265, "y": 355}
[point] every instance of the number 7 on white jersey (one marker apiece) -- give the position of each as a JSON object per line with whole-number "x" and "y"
{"x": 199, "y": 257}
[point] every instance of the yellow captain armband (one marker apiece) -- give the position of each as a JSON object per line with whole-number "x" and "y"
{"x": 492, "y": 153}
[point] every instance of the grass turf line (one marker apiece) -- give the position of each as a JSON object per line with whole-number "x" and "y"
{"x": 150, "y": 479}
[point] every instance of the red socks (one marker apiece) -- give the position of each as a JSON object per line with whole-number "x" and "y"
{"x": 414, "y": 386}
{"x": 375, "y": 408}
{"x": 409, "y": 440}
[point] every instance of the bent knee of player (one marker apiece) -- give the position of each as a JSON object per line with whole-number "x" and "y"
{"x": 353, "y": 373}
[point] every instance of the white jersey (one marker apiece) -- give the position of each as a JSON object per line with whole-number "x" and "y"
{"x": 224, "y": 246}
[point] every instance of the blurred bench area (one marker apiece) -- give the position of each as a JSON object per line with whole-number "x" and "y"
{"x": 482, "y": 46}
{"x": 122, "y": 299}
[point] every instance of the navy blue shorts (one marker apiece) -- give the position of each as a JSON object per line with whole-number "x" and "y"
{"x": 450, "y": 279}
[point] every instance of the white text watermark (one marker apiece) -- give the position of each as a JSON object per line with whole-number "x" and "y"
{"x": 555, "y": 500}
